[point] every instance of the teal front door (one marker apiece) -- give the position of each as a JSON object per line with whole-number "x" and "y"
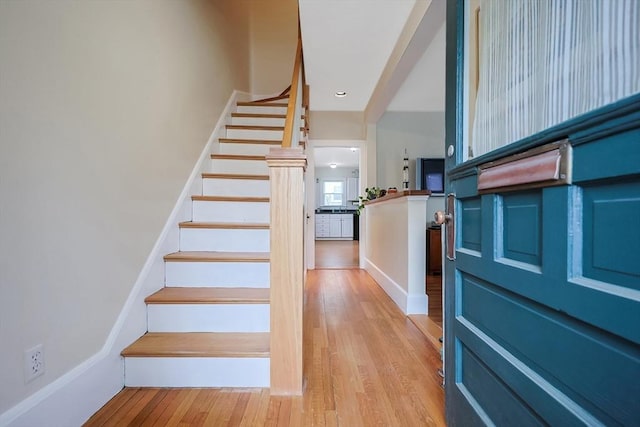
{"x": 542, "y": 292}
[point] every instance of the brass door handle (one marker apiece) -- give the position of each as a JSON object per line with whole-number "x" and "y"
{"x": 447, "y": 219}
{"x": 442, "y": 218}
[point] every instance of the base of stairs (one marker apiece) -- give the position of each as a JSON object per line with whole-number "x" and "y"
{"x": 201, "y": 359}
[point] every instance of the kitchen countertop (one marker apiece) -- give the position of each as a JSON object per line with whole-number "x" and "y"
{"x": 335, "y": 211}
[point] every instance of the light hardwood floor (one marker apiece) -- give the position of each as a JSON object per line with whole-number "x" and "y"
{"x": 365, "y": 364}
{"x": 337, "y": 254}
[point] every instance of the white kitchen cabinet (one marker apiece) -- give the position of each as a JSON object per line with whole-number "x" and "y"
{"x": 347, "y": 225}
{"x": 322, "y": 226}
{"x": 352, "y": 189}
{"x": 334, "y": 226}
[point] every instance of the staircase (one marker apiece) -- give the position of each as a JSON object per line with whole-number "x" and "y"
{"x": 209, "y": 325}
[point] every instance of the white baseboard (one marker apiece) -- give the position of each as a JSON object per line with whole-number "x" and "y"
{"x": 408, "y": 303}
{"x": 72, "y": 398}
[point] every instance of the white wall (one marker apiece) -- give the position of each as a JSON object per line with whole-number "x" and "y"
{"x": 104, "y": 109}
{"x": 274, "y": 37}
{"x": 422, "y": 134}
{"x": 396, "y": 248}
{"x": 336, "y": 125}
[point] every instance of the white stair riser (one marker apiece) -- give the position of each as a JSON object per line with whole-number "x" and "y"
{"x": 235, "y": 187}
{"x": 217, "y": 274}
{"x": 254, "y": 134}
{"x": 258, "y": 121}
{"x": 252, "y": 149}
{"x": 196, "y": 372}
{"x": 262, "y": 110}
{"x": 224, "y": 240}
{"x": 256, "y": 212}
{"x": 208, "y": 317}
{"x": 255, "y": 167}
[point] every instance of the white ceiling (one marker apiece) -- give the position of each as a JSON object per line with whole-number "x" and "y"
{"x": 341, "y": 156}
{"x": 347, "y": 44}
{"x": 423, "y": 89}
{"x": 369, "y": 48}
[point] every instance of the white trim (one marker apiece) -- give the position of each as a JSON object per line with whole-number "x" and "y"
{"x": 409, "y": 304}
{"x": 94, "y": 381}
{"x": 310, "y": 206}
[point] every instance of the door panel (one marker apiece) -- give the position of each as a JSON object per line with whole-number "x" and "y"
{"x": 611, "y": 232}
{"x": 542, "y": 312}
{"x": 547, "y": 301}
{"x": 519, "y": 218}
{"x": 471, "y": 231}
{"x": 542, "y": 300}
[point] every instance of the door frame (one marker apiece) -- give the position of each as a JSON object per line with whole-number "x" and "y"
{"x": 310, "y": 188}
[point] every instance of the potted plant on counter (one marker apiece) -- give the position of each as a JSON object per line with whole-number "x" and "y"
{"x": 369, "y": 194}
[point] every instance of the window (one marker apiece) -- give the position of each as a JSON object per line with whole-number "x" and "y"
{"x": 333, "y": 193}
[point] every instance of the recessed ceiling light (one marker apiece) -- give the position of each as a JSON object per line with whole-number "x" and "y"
{"x": 333, "y": 165}
{"x": 341, "y": 94}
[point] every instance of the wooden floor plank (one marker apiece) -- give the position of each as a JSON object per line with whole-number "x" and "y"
{"x": 338, "y": 254}
{"x": 173, "y": 418}
{"x": 365, "y": 364}
{"x": 429, "y": 328}
{"x": 165, "y": 408}
{"x": 112, "y": 407}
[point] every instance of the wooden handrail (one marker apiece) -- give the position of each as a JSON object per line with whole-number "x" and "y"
{"x": 284, "y": 94}
{"x": 289, "y": 123}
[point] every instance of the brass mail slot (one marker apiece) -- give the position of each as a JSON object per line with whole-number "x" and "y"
{"x": 545, "y": 166}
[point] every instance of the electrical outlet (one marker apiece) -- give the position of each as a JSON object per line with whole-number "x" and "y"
{"x": 33, "y": 363}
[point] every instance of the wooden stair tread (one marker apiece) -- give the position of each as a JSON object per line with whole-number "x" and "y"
{"x": 237, "y": 157}
{"x": 259, "y": 115}
{"x": 229, "y": 199}
{"x": 199, "y": 344}
{"x": 214, "y": 256}
{"x": 250, "y": 141}
{"x": 170, "y": 295}
{"x": 255, "y": 127}
{"x": 225, "y": 225}
{"x": 234, "y": 176}
{"x": 261, "y": 104}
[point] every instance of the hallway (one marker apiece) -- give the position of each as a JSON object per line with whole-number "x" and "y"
{"x": 337, "y": 254}
{"x": 365, "y": 364}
